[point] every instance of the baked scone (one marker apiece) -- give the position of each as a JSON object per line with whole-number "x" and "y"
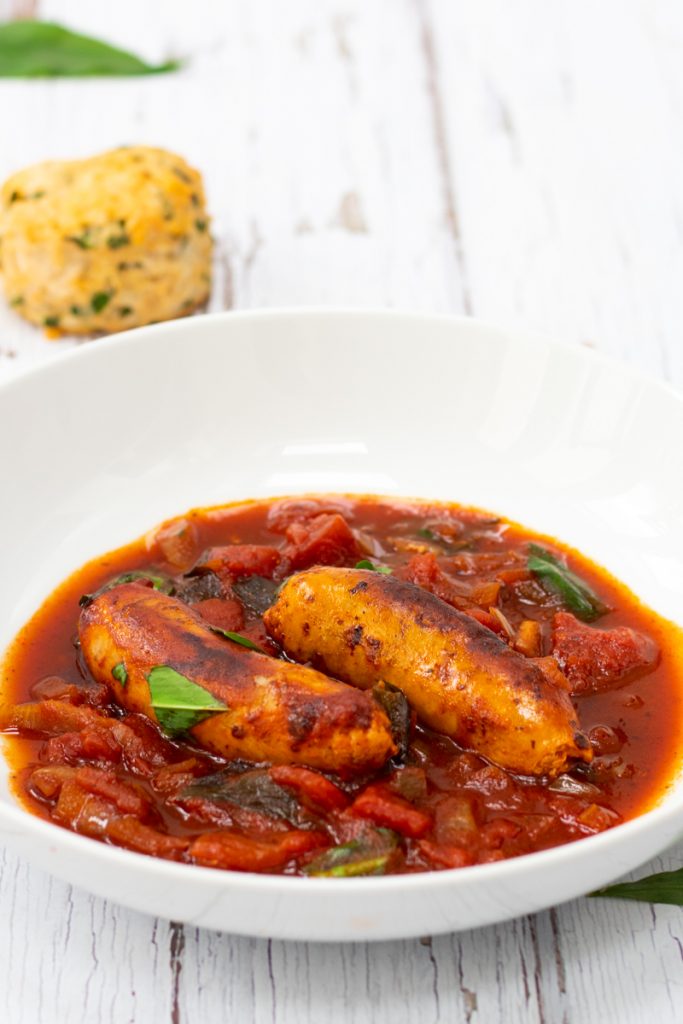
{"x": 100, "y": 245}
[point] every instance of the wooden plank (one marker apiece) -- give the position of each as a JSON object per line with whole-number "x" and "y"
{"x": 562, "y": 125}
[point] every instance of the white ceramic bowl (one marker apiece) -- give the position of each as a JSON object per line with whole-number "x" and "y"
{"x": 108, "y": 441}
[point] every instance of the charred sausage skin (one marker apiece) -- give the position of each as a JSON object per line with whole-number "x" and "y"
{"x": 462, "y": 680}
{"x": 277, "y": 712}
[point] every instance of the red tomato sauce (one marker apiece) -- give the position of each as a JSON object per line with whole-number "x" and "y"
{"x": 83, "y": 762}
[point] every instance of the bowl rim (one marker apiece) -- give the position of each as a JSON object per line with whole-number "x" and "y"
{"x": 669, "y": 804}
{"x": 86, "y": 347}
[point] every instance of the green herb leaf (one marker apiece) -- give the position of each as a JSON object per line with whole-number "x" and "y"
{"x": 367, "y": 856}
{"x": 365, "y": 563}
{"x": 397, "y": 709}
{"x": 160, "y": 583}
{"x": 117, "y": 241}
{"x": 119, "y": 673}
{"x": 237, "y": 638}
{"x": 428, "y": 534}
{"x": 100, "y": 300}
{"x": 40, "y": 49}
{"x": 178, "y": 703}
{"x": 256, "y": 592}
{"x": 575, "y": 593}
{"x": 51, "y": 321}
{"x": 254, "y": 790}
{"x": 665, "y": 887}
{"x": 84, "y": 241}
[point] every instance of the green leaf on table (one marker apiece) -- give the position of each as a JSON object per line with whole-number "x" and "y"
{"x": 43, "y": 49}
{"x": 237, "y": 638}
{"x": 178, "y": 703}
{"x": 365, "y": 563}
{"x": 575, "y": 592}
{"x": 665, "y": 887}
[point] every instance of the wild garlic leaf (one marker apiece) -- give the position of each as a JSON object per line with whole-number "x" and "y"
{"x": 365, "y": 563}
{"x": 180, "y": 704}
{"x": 664, "y": 887}
{"x": 43, "y": 49}
{"x": 366, "y": 856}
{"x": 120, "y": 674}
{"x": 575, "y": 592}
{"x": 237, "y": 638}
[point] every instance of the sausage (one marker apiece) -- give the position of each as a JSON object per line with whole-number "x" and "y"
{"x": 277, "y": 711}
{"x": 460, "y": 678}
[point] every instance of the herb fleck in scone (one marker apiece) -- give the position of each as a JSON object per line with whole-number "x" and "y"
{"x": 100, "y": 245}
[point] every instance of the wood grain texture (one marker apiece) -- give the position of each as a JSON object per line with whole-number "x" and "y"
{"x": 522, "y": 162}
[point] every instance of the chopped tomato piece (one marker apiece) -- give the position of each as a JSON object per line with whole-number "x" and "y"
{"x": 494, "y": 834}
{"x": 91, "y": 815}
{"x": 242, "y": 853}
{"x": 510, "y": 576}
{"x": 81, "y": 811}
{"x": 485, "y": 618}
{"x": 487, "y": 593}
{"x": 144, "y": 748}
{"x": 134, "y": 835}
{"x": 135, "y": 742}
{"x": 235, "y": 560}
{"x": 223, "y": 614}
{"x": 597, "y": 818}
{"x": 424, "y": 570}
{"x": 380, "y": 805}
{"x": 49, "y": 781}
{"x": 444, "y": 856}
{"x": 101, "y": 744}
{"x": 50, "y": 717}
{"x": 311, "y": 787}
{"x": 178, "y": 541}
{"x": 324, "y": 540}
{"x": 282, "y": 514}
{"x": 56, "y": 688}
{"x": 598, "y": 659}
{"x": 126, "y": 798}
{"x": 173, "y": 777}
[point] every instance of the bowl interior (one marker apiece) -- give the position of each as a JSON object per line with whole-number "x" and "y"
{"x": 110, "y": 440}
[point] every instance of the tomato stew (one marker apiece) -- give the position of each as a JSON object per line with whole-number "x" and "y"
{"x": 84, "y": 763}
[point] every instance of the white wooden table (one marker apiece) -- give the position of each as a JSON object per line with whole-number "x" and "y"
{"x": 522, "y": 162}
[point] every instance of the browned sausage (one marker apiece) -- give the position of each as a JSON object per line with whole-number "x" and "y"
{"x": 277, "y": 711}
{"x": 461, "y": 679}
